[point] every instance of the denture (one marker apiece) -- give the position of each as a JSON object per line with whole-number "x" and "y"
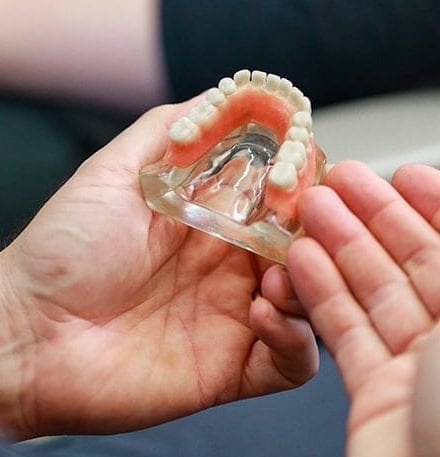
{"x": 263, "y": 99}
{"x": 237, "y": 162}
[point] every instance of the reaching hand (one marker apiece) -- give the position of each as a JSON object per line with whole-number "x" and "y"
{"x": 368, "y": 275}
{"x": 127, "y": 318}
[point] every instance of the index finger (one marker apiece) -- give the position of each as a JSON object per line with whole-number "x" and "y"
{"x": 399, "y": 228}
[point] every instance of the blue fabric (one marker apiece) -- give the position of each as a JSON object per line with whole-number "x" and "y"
{"x": 306, "y": 422}
{"x": 7, "y": 451}
{"x": 41, "y": 145}
{"x": 332, "y": 49}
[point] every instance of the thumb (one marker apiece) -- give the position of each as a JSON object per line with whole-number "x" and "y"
{"x": 143, "y": 143}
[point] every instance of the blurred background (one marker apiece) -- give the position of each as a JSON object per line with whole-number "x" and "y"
{"x": 74, "y": 74}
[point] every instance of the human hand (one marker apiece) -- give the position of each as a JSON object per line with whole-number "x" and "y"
{"x": 367, "y": 274}
{"x": 120, "y": 318}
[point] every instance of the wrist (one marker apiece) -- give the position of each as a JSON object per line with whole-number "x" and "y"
{"x": 16, "y": 348}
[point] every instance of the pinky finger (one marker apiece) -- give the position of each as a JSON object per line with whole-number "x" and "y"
{"x": 291, "y": 341}
{"x": 277, "y": 289}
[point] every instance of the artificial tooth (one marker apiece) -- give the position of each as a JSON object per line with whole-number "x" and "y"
{"x": 195, "y": 115}
{"x": 292, "y": 152}
{"x": 227, "y": 86}
{"x": 201, "y": 112}
{"x": 182, "y": 130}
{"x": 302, "y": 119}
{"x": 258, "y": 79}
{"x": 272, "y": 82}
{"x": 284, "y": 88}
{"x": 242, "y": 77}
{"x": 297, "y": 91}
{"x": 295, "y": 98}
{"x": 283, "y": 175}
{"x": 215, "y": 96}
{"x": 307, "y": 105}
{"x": 207, "y": 108}
{"x": 300, "y": 134}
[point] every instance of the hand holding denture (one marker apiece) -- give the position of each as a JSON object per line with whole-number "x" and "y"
{"x": 132, "y": 318}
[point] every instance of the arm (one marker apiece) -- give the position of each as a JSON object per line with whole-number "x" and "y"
{"x": 106, "y": 52}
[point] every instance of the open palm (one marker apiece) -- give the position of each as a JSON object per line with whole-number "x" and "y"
{"x": 136, "y": 319}
{"x": 368, "y": 276}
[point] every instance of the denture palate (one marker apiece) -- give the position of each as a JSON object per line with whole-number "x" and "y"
{"x": 263, "y": 99}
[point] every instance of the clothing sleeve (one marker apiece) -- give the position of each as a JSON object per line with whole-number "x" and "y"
{"x": 333, "y": 50}
{"x": 6, "y": 451}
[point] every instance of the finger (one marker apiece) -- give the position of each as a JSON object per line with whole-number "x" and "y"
{"x": 143, "y": 143}
{"x": 276, "y": 287}
{"x": 419, "y": 185}
{"x": 409, "y": 239}
{"x": 425, "y": 401}
{"x": 342, "y": 324}
{"x": 373, "y": 277}
{"x": 286, "y": 354}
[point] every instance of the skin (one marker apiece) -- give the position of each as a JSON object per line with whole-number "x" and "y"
{"x": 113, "y": 318}
{"x": 366, "y": 274}
{"x": 107, "y": 53}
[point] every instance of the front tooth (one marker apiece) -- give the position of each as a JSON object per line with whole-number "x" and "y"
{"x": 292, "y": 152}
{"x": 272, "y": 82}
{"x": 283, "y": 175}
{"x": 215, "y": 96}
{"x": 242, "y": 77}
{"x": 284, "y": 88}
{"x": 302, "y": 119}
{"x": 258, "y": 79}
{"x": 300, "y": 134}
{"x": 183, "y": 130}
{"x": 295, "y": 98}
{"x": 227, "y": 86}
{"x": 307, "y": 105}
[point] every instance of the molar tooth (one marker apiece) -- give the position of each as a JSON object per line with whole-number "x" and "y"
{"x": 300, "y": 134}
{"x": 227, "y": 86}
{"x": 258, "y": 79}
{"x": 302, "y": 119}
{"x": 283, "y": 175}
{"x": 206, "y": 108}
{"x": 215, "y": 96}
{"x": 196, "y": 115}
{"x": 185, "y": 121}
{"x": 242, "y": 77}
{"x": 284, "y": 88}
{"x": 292, "y": 152}
{"x": 201, "y": 112}
{"x": 183, "y": 130}
{"x": 272, "y": 82}
{"x": 295, "y": 98}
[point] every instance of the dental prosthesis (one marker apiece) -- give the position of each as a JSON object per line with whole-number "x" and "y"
{"x": 237, "y": 162}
